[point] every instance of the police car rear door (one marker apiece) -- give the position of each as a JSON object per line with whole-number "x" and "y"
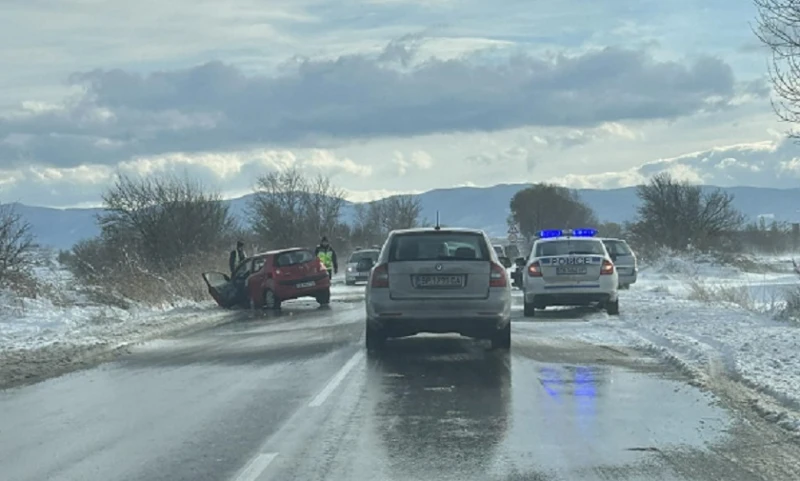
{"x": 570, "y": 260}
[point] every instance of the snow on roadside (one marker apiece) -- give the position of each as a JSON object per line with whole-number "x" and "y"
{"x": 710, "y": 339}
{"x": 65, "y": 312}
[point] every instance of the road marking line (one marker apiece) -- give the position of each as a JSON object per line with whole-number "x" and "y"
{"x": 256, "y": 466}
{"x": 336, "y": 380}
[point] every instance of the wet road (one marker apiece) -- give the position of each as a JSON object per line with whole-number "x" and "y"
{"x": 295, "y": 397}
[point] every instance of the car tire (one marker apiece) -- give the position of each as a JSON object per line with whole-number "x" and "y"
{"x": 375, "y": 338}
{"x": 612, "y": 307}
{"x": 324, "y": 298}
{"x": 528, "y": 310}
{"x": 502, "y": 338}
{"x": 271, "y": 301}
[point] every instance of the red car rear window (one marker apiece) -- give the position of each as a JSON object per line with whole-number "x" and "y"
{"x": 293, "y": 258}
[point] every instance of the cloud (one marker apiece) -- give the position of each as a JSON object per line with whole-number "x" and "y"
{"x": 321, "y": 102}
{"x": 772, "y": 163}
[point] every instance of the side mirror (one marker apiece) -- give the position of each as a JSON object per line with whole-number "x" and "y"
{"x": 505, "y": 261}
{"x": 364, "y": 265}
{"x": 520, "y": 261}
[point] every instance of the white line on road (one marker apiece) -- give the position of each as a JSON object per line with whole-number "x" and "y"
{"x": 256, "y": 466}
{"x": 336, "y": 380}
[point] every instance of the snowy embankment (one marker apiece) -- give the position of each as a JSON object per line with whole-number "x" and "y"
{"x": 717, "y": 323}
{"x": 61, "y": 324}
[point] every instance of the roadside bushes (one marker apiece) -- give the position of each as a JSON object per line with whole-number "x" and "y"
{"x": 157, "y": 236}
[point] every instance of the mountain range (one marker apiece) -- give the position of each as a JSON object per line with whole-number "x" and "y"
{"x": 480, "y": 207}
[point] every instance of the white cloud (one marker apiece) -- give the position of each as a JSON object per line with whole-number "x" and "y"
{"x": 771, "y": 163}
{"x": 385, "y": 96}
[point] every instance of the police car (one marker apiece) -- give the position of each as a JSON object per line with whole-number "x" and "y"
{"x": 569, "y": 268}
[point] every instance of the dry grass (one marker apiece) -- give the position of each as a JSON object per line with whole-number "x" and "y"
{"x": 790, "y": 310}
{"x": 130, "y": 282}
{"x": 737, "y": 295}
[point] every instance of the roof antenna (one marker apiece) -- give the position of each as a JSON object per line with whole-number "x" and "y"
{"x": 438, "y": 227}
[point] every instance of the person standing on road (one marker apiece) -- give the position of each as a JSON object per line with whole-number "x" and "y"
{"x": 328, "y": 256}
{"x": 237, "y": 256}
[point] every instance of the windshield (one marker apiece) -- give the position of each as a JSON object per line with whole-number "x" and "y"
{"x": 439, "y": 246}
{"x": 357, "y": 256}
{"x": 618, "y": 248}
{"x": 569, "y": 247}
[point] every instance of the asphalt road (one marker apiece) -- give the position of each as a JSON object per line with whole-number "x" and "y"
{"x": 295, "y": 397}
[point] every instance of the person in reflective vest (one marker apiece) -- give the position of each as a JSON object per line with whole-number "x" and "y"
{"x": 328, "y": 256}
{"x": 237, "y": 256}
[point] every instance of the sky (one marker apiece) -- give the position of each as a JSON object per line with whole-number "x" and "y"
{"x": 383, "y": 96}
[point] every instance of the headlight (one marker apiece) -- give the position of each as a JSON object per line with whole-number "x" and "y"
{"x": 350, "y": 269}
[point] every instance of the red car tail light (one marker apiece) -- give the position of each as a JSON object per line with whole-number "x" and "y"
{"x": 535, "y": 270}
{"x": 380, "y": 276}
{"x": 607, "y": 269}
{"x": 498, "y": 276}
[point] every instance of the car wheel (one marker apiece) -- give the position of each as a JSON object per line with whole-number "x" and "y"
{"x": 613, "y": 307}
{"x": 502, "y": 338}
{"x": 528, "y": 310}
{"x": 324, "y": 298}
{"x": 375, "y": 338}
{"x": 271, "y": 301}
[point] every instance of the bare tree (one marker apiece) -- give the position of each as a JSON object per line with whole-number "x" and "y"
{"x": 374, "y": 220}
{"x": 290, "y": 210}
{"x": 163, "y": 220}
{"x": 548, "y": 206}
{"x": 679, "y": 215}
{"x": 16, "y": 242}
{"x": 779, "y": 30}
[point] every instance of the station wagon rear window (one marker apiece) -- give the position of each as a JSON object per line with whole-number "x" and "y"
{"x": 569, "y": 247}
{"x": 357, "y": 256}
{"x": 439, "y": 246}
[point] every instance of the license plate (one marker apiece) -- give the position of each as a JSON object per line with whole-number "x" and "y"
{"x": 303, "y": 285}
{"x": 570, "y": 271}
{"x": 438, "y": 281}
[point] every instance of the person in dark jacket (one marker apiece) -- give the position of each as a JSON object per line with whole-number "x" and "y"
{"x": 328, "y": 256}
{"x": 237, "y": 256}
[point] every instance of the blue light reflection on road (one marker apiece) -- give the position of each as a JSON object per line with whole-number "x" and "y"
{"x": 582, "y": 383}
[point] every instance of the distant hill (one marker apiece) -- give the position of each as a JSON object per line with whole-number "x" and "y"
{"x": 481, "y": 207}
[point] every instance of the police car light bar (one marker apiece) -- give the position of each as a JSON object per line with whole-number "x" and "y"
{"x": 567, "y": 232}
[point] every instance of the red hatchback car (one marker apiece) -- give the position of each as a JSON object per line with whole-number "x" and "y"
{"x": 265, "y": 280}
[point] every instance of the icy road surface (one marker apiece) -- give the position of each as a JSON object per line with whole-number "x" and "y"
{"x": 294, "y": 397}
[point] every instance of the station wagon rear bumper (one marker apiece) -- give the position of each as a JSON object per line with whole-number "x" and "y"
{"x": 473, "y": 318}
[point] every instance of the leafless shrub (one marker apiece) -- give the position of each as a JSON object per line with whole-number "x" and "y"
{"x": 791, "y": 305}
{"x": 16, "y": 243}
{"x": 158, "y": 236}
{"x": 680, "y": 216}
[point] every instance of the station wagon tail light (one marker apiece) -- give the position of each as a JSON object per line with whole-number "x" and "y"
{"x": 380, "y": 276}
{"x": 535, "y": 270}
{"x": 498, "y": 276}
{"x": 608, "y": 268}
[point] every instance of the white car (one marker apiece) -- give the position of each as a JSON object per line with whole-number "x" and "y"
{"x": 569, "y": 268}
{"x": 438, "y": 280}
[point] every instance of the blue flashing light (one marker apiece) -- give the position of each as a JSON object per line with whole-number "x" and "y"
{"x": 568, "y": 232}
{"x": 551, "y": 233}
{"x": 584, "y": 232}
